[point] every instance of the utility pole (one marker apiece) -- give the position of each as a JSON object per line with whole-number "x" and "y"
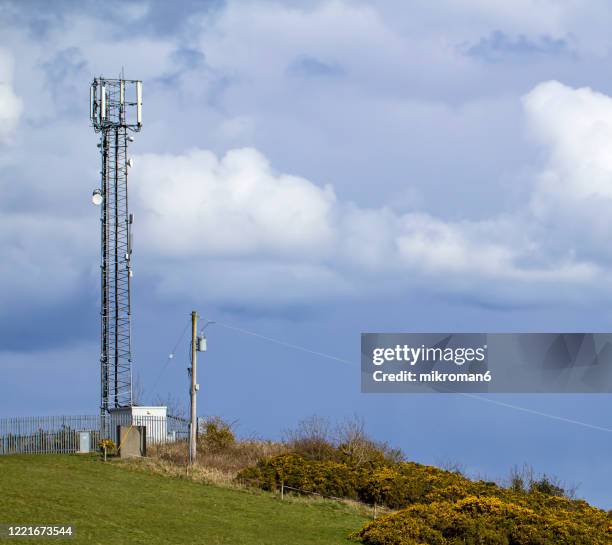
{"x": 198, "y": 344}
{"x": 194, "y": 388}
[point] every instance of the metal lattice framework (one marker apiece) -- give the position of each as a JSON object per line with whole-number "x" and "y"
{"x": 114, "y": 114}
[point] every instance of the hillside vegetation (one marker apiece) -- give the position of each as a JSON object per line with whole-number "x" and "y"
{"x": 233, "y": 496}
{"x": 434, "y": 506}
{"x": 491, "y": 520}
{"x": 438, "y": 507}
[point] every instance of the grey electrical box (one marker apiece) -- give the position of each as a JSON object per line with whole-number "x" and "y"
{"x": 84, "y": 442}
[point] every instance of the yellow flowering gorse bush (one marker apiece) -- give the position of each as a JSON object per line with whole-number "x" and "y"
{"x": 438, "y": 507}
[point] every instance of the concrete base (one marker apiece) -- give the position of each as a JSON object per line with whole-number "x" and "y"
{"x": 132, "y": 441}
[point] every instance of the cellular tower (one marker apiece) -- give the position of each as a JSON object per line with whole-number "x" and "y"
{"x": 115, "y": 109}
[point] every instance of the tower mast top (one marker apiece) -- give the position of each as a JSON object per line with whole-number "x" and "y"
{"x": 115, "y": 103}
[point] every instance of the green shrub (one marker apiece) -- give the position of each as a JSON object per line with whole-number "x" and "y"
{"x": 389, "y": 486}
{"x": 107, "y": 447}
{"x": 357, "y": 448}
{"x": 327, "y": 477}
{"x": 545, "y": 485}
{"x": 315, "y": 449}
{"x": 315, "y": 439}
{"x": 312, "y": 440}
{"x": 215, "y": 436}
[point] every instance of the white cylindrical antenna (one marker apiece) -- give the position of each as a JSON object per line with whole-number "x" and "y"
{"x": 103, "y": 104}
{"x": 130, "y": 162}
{"x": 139, "y": 102}
{"x": 121, "y": 92}
{"x": 91, "y": 102}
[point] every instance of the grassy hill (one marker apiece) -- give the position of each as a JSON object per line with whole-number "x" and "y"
{"x": 108, "y": 503}
{"x": 153, "y": 500}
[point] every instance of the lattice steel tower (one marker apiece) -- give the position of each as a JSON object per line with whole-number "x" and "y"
{"x": 115, "y": 111}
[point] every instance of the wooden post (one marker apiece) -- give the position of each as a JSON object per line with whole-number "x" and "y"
{"x": 193, "y": 390}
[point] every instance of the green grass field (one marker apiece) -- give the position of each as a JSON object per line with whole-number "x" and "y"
{"x": 111, "y": 504}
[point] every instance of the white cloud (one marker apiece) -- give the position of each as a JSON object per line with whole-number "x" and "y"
{"x": 576, "y": 126}
{"x": 256, "y": 44}
{"x": 573, "y": 192}
{"x": 249, "y": 233}
{"x": 234, "y": 224}
{"x": 196, "y": 204}
{"x": 271, "y": 232}
{"x": 10, "y": 104}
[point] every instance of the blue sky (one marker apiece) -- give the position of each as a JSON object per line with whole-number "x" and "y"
{"x": 308, "y": 171}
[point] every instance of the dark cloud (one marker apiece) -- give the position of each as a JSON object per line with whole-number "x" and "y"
{"x": 310, "y": 66}
{"x": 184, "y": 59}
{"x": 188, "y": 58}
{"x": 160, "y": 17}
{"x": 32, "y": 326}
{"x": 64, "y": 71}
{"x": 171, "y": 17}
{"x": 290, "y": 313}
{"x": 499, "y": 46}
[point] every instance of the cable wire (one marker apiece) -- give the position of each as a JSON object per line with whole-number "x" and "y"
{"x": 284, "y": 343}
{"x": 471, "y": 396}
{"x": 538, "y": 413}
{"x": 170, "y": 357}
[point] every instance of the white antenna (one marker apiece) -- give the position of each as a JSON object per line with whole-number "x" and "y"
{"x": 103, "y": 104}
{"x": 139, "y": 102}
{"x": 91, "y": 102}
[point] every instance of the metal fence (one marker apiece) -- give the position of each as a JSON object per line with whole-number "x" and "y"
{"x": 66, "y": 434}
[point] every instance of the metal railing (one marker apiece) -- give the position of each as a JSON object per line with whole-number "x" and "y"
{"x": 82, "y": 433}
